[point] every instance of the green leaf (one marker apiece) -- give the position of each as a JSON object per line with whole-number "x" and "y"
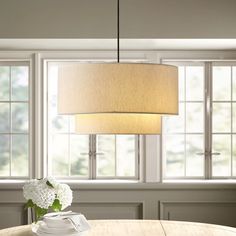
{"x": 56, "y": 206}
{"x": 29, "y": 204}
{"x": 49, "y": 184}
{"x": 40, "y": 212}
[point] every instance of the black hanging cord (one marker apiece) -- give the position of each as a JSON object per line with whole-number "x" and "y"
{"x": 118, "y": 31}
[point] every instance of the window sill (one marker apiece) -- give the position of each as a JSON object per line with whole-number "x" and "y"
{"x": 132, "y": 184}
{"x": 138, "y": 185}
{"x": 200, "y": 181}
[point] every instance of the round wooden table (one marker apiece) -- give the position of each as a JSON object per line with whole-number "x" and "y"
{"x": 139, "y": 228}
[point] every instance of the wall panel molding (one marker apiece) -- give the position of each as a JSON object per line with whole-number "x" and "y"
{"x": 110, "y": 210}
{"x": 216, "y": 212}
{"x": 12, "y": 213}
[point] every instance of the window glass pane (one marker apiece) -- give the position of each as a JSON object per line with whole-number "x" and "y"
{"x": 58, "y": 148}
{"x": 72, "y": 123}
{"x": 56, "y": 123}
{"x": 194, "y": 83}
{"x": 175, "y": 124}
{"x": 234, "y": 117}
{"x": 221, "y": 83}
{"x": 234, "y": 154}
{"x": 20, "y": 155}
{"x": 125, "y": 155}
{"x": 4, "y": 155}
{"x": 79, "y": 155}
{"x": 4, "y": 83}
{"x": 19, "y": 83}
{"x": 221, "y": 117}
{"x": 181, "y": 73}
{"x": 194, "y": 117}
{"x": 194, "y": 161}
{"x": 4, "y": 118}
{"x": 234, "y": 83}
{"x": 19, "y": 117}
{"x": 106, "y": 155}
{"x": 174, "y": 155}
{"x": 221, "y": 163}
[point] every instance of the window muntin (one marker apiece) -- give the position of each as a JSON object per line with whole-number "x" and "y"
{"x": 14, "y": 120}
{"x": 85, "y": 156}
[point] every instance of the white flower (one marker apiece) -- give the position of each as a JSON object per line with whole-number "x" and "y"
{"x": 29, "y": 188}
{"x": 64, "y": 195}
{"x": 43, "y": 192}
{"x": 40, "y": 193}
{"x": 52, "y": 181}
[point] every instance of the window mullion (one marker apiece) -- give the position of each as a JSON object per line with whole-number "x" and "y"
{"x": 185, "y": 116}
{"x": 231, "y": 120}
{"x": 115, "y": 158}
{"x": 10, "y": 125}
{"x": 138, "y": 156}
{"x": 208, "y": 120}
{"x": 92, "y": 156}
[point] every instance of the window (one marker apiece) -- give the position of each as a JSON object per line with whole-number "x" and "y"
{"x": 200, "y": 142}
{"x": 14, "y": 120}
{"x": 85, "y": 156}
{"x": 223, "y": 120}
{"x": 183, "y": 134}
{"x": 35, "y": 141}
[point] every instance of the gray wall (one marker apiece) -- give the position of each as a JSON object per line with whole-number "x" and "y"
{"x": 97, "y": 18}
{"x": 209, "y": 203}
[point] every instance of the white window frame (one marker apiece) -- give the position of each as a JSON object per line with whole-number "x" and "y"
{"x": 93, "y": 162}
{"x": 24, "y": 60}
{"x": 139, "y": 140}
{"x": 231, "y": 133}
{"x": 187, "y": 63}
{"x": 208, "y": 104}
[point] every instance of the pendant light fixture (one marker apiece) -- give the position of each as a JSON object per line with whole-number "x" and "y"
{"x": 118, "y": 98}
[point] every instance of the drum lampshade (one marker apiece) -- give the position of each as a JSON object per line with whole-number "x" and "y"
{"x": 118, "y": 88}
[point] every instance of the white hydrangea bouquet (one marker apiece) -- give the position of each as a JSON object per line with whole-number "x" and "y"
{"x": 44, "y": 195}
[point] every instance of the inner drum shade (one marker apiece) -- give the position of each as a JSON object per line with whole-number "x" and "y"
{"x": 118, "y": 124}
{"x": 118, "y": 88}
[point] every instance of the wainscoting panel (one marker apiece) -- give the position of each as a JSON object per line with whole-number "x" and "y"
{"x": 110, "y": 210}
{"x": 12, "y": 214}
{"x": 223, "y": 213}
{"x": 207, "y": 203}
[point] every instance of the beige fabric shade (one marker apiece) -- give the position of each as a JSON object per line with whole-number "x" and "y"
{"x": 118, "y": 124}
{"x": 118, "y": 88}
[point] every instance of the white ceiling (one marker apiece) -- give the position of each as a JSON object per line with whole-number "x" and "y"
{"x": 110, "y": 44}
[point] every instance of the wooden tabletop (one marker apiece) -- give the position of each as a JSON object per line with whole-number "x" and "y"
{"x": 139, "y": 228}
